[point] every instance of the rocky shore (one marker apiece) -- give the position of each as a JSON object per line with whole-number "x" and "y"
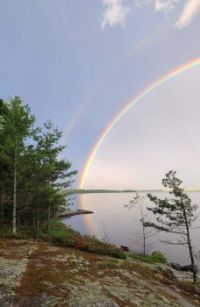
{"x": 69, "y": 213}
{"x": 40, "y": 274}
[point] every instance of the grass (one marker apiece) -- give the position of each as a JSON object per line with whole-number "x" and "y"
{"x": 113, "y": 263}
{"x": 155, "y": 257}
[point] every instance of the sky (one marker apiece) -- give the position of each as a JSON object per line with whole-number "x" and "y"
{"x": 78, "y": 63}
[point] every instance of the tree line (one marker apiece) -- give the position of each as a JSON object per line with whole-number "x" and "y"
{"x": 32, "y": 173}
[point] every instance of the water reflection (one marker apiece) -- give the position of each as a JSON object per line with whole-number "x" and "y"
{"x": 121, "y": 226}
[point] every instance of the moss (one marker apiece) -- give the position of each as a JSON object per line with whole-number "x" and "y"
{"x": 113, "y": 263}
{"x": 43, "y": 275}
{"x": 142, "y": 270}
{"x": 60, "y": 276}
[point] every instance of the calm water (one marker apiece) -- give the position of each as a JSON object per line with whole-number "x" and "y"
{"x": 116, "y": 224}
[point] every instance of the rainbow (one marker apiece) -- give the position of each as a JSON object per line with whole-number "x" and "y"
{"x": 146, "y": 91}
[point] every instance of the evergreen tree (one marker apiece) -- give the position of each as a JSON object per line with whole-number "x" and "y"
{"x": 17, "y": 127}
{"x": 54, "y": 171}
{"x": 33, "y": 173}
{"x": 4, "y": 161}
{"x": 175, "y": 215}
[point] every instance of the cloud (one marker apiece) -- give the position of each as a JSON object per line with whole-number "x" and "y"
{"x": 165, "y": 5}
{"x": 190, "y": 10}
{"x": 115, "y": 13}
{"x": 159, "y": 5}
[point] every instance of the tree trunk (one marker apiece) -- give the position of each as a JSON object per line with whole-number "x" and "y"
{"x": 49, "y": 216}
{"x": 194, "y": 271}
{"x": 2, "y": 205}
{"x": 14, "y": 230}
{"x": 143, "y": 231}
{"x": 37, "y": 213}
{"x": 144, "y": 241}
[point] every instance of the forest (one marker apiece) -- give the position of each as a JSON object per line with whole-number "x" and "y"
{"x": 33, "y": 173}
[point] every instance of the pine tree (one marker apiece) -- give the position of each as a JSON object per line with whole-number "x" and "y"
{"x": 55, "y": 171}
{"x": 32, "y": 170}
{"x": 17, "y": 127}
{"x": 175, "y": 215}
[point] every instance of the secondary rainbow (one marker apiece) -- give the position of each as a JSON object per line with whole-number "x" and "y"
{"x": 168, "y": 76}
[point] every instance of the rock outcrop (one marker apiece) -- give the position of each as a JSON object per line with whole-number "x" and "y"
{"x": 40, "y": 274}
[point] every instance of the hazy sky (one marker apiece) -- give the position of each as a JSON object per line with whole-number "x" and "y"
{"x": 79, "y": 62}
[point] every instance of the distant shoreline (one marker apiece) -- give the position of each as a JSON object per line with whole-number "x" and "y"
{"x": 91, "y": 191}
{"x": 107, "y": 191}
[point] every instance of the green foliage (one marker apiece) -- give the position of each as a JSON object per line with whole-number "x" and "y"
{"x": 117, "y": 253}
{"x": 158, "y": 257}
{"x": 16, "y": 124}
{"x": 94, "y": 245}
{"x": 172, "y": 212}
{"x": 62, "y": 234}
{"x": 66, "y": 236}
{"x": 32, "y": 172}
{"x": 155, "y": 257}
{"x": 175, "y": 214}
{"x": 30, "y": 160}
{"x": 6, "y": 232}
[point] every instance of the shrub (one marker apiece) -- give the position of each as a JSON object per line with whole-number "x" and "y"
{"x": 94, "y": 245}
{"x": 6, "y": 231}
{"x": 155, "y": 257}
{"x": 117, "y": 253}
{"x": 158, "y": 257}
{"x": 62, "y": 234}
{"x": 66, "y": 236}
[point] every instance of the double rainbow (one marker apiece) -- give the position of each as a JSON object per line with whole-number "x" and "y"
{"x": 168, "y": 76}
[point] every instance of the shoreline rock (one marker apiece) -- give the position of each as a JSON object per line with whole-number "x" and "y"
{"x": 69, "y": 213}
{"x": 183, "y": 268}
{"x": 41, "y": 274}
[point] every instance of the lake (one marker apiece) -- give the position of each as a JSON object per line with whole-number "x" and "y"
{"x": 115, "y": 224}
